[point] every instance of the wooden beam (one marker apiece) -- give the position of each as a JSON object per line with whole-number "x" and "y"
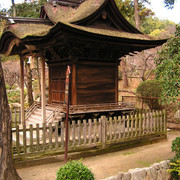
{"x": 43, "y": 100}
{"x": 22, "y": 90}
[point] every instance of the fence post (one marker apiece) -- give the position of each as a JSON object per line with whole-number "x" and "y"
{"x": 19, "y": 116}
{"x": 165, "y": 122}
{"x": 103, "y": 131}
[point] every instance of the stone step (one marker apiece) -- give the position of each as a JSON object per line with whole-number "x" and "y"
{"x": 34, "y": 116}
{"x": 39, "y": 113}
{"x": 33, "y": 121}
{"x": 40, "y": 110}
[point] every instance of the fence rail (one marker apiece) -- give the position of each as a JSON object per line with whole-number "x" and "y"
{"x": 102, "y": 131}
{"x": 16, "y": 117}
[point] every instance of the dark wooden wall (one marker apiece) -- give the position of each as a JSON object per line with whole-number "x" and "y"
{"x": 96, "y": 83}
{"x": 91, "y": 83}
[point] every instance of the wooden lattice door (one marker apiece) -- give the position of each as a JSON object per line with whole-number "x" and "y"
{"x": 58, "y": 90}
{"x": 57, "y": 75}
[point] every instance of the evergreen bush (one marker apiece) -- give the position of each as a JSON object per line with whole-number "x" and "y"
{"x": 150, "y": 88}
{"x": 74, "y": 170}
{"x": 175, "y": 161}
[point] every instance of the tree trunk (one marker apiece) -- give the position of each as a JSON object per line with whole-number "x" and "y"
{"x": 136, "y": 15}
{"x": 29, "y": 84}
{"x": 124, "y": 73}
{"x": 13, "y": 9}
{"x": 7, "y": 169}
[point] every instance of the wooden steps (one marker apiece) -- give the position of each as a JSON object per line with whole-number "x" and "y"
{"x": 53, "y": 114}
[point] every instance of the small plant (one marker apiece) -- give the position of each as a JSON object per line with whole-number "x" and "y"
{"x": 74, "y": 170}
{"x": 175, "y": 161}
{"x": 175, "y": 169}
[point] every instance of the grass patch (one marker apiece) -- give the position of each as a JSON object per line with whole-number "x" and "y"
{"x": 128, "y": 153}
{"x": 144, "y": 163}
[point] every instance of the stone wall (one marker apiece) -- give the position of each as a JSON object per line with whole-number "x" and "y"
{"x": 157, "y": 171}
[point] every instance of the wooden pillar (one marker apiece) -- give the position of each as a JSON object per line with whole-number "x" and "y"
{"x": 116, "y": 84}
{"x": 22, "y": 90}
{"x": 43, "y": 101}
{"x": 74, "y": 85}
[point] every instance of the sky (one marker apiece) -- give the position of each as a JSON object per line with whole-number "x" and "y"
{"x": 157, "y": 6}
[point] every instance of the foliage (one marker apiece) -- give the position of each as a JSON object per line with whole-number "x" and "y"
{"x": 175, "y": 169}
{"x": 176, "y": 146}
{"x": 30, "y": 9}
{"x": 149, "y": 24}
{"x": 127, "y": 9}
{"x": 14, "y": 96}
{"x": 175, "y": 161}
{"x": 74, "y": 170}
{"x": 168, "y": 68}
{"x": 156, "y": 27}
{"x": 169, "y": 3}
{"x": 150, "y": 88}
{"x": 26, "y": 10}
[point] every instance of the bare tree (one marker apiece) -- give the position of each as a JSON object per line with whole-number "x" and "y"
{"x": 124, "y": 72}
{"x": 11, "y": 73}
{"x": 7, "y": 169}
{"x": 13, "y": 8}
{"x": 142, "y": 64}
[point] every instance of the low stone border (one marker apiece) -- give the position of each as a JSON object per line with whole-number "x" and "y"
{"x": 157, "y": 171}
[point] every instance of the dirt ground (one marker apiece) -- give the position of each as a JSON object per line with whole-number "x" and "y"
{"x": 110, "y": 164}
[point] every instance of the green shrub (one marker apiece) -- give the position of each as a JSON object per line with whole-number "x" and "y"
{"x": 175, "y": 161}
{"x": 176, "y": 146}
{"x": 150, "y": 88}
{"x": 74, "y": 170}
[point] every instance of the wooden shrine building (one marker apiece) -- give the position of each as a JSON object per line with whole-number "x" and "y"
{"x": 91, "y": 36}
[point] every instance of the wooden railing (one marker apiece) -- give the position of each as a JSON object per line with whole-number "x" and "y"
{"x": 53, "y": 115}
{"x": 99, "y": 107}
{"x": 96, "y": 132}
{"x": 31, "y": 109}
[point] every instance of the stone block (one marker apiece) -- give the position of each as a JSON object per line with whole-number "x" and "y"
{"x": 138, "y": 174}
{"x": 165, "y": 175}
{"x": 126, "y": 176}
{"x": 165, "y": 164}
{"x": 152, "y": 173}
{"x": 159, "y": 175}
{"x": 120, "y": 176}
{"x": 156, "y": 166}
{"x": 111, "y": 178}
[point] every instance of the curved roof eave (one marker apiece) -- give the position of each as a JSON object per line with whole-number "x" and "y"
{"x": 7, "y": 42}
{"x": 97, "y": 34}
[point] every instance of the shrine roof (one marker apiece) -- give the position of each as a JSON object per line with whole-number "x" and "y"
{"x": 84, "y": 18}
{"x": 21, "y": 30}
{"x": 69, "y": 14}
